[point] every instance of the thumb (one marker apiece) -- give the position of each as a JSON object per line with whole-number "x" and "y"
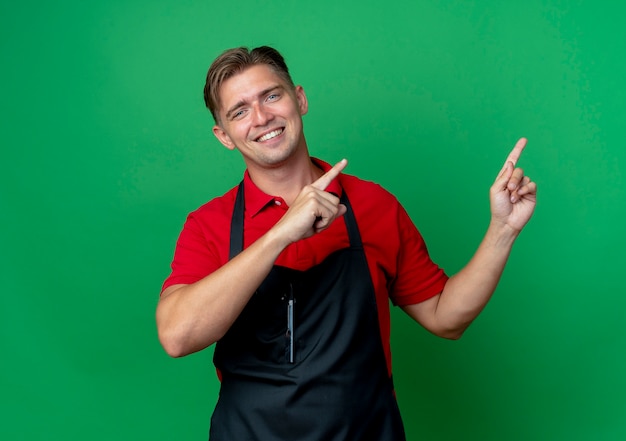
{"x": 341, "y": 210}
{"x": 505, "y": 174}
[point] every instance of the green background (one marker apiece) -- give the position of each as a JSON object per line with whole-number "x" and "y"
{"x": 106, "y": 146}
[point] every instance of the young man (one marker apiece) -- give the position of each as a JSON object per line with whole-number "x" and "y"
{"x": 291, "y": 272}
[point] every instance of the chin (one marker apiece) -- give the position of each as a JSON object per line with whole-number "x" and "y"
{"x": 277, "y": 158}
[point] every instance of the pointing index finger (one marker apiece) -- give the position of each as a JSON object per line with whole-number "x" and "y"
{"x": 331, "y": 174}
{"x": 516, "y": 152}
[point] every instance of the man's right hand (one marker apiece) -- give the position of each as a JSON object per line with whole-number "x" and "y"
{"x": 313, "y": 210}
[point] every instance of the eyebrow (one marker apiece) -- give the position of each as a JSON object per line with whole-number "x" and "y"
{"x": 242, "y": 102}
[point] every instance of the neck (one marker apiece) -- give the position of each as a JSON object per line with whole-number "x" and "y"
{"x": 286, "y": 180}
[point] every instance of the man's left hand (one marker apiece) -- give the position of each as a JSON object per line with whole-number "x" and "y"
{"x": 513, "y": 195}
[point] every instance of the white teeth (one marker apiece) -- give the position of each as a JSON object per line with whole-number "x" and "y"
{"x": 270, "y": 135}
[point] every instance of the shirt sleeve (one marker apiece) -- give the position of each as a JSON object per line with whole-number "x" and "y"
{"x": 195, "y": 256}
{"x": 418, "y": 278}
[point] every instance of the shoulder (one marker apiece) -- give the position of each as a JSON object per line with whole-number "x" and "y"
{"x": 377, "y": 211}
{"x": 221, "y": 206}
{"x": 207, "y": 228}
{"x": 362, "y": 192}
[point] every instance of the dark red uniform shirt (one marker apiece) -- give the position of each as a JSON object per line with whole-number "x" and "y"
{"x": 398, "y": 260}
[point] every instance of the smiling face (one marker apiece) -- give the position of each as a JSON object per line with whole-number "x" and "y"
{"x": 261, "y": 116}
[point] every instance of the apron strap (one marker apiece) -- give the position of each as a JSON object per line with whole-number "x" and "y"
{"x": 236, "y": 225}
{"x": 353, "y": 230}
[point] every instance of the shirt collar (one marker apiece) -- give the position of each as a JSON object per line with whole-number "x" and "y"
{"x": 256, "y": 199}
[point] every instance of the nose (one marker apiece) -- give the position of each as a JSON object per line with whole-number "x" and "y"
{"x": 260, "y": 115}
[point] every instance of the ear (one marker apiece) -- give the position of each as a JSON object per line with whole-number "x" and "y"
{"x": 223, "y": 137}
{"x": 303, "y": 103}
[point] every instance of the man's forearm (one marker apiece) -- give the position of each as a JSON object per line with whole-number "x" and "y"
{"x": 466, "y": 293}
{"x": 193, "y": 317}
